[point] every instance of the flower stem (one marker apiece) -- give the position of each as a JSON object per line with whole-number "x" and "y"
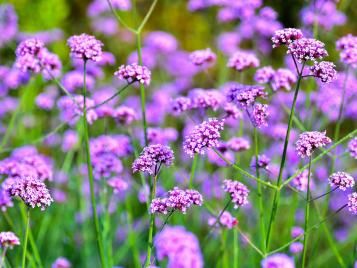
{"x": 307, "y": 215}
{"x": 259, "y": 188}
{"x": 90, "y": 171}
{"x": 283, "y": 159}
{"x": 152, "y": 225}
{"x": 26, "y": 239}
{"x": 2, "y": 260}
{"x": 235, "y": 248}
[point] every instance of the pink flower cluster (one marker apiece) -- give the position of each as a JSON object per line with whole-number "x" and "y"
{"x": 286, "y": 36}
{"x": 309, "y": 141}
{"x": 241, "y": 60}
{"x": 324, "y": 70}
{"x": 237, "y": 191}
{"x": 201, "y": 57}
{"x": 8, "y": 239}
{"x": 348, "y": 47}
{"x": 352, "y": 203}
{"x": 245, "y": 95}
{"x": 226, "y": 220}
{"x": 85, "y": 47}
{"x": 342, "y": 180}
{"x": 307, "y": 49}
{"x": 352, "y": 148}
{"x": 176, "y": 199}
{"x": 134, "y": 73}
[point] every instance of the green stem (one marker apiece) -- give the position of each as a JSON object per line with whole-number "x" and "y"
{"x": 235, "y": 248}
{"x": 147, "y": 16}
{"x": 259, "y": 188}
{"x": 142, "y": 92}
{"x": 2, "y": 261}
{"x": 283, "y": 159}
{"x": 110, "y": 98}
{"x": 307, "y": 215}
{"x": 131, "y": 235}
{"x": 10, "y": 127}
{"x": 120, "y": 20}
{"x": 26, "y": 239}
{"x": 193, "y": 170}
{"x": 152, "y": 225}
{"x": 90, "y": 171}
{"x": 251, "y": 243}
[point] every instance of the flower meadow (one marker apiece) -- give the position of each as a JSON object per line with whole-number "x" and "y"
{"x": 180, "y": 134}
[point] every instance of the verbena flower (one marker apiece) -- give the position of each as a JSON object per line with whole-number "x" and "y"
{"x": 238, "y": 144}
{"x": 296, "y": 248}
{"x": 180, "y": 105}
{"x": 245, "y": 95}
{"x": 152, "y": 157}
{"x": 85, "y": 47}
{"x": 118, "y": 184}
{"x": 161, "y": 42}
{"x": 342, "y": 180}
{"x": 232, "y": 111}
{"x": 5, "y": 200}
{"x": 237, "y": 191}
{"x": 8, "y": 240}
{"x": 309, "y": 141}
{"x": 264, "y": 75}
{"x": 352, "y": 203}
{"x": 305, "y": 49}
{"x": 300, "y": 181}
{"x": 205, "y": 99}
{"x": 32, "y": 46}
{"x": 125, "y": 115}
{"x": 205, "y": 135}
{"x": 348, "y": 47}
{"x": 32, "y": 191}
{"x": 278, "y": 260}
{"x": 8, "y": 23}
{"x": 286, "y": 36}
{"x": 283, "y": 79}
{"x": 61, "y": 262}
{"x": 296, "y": 231}
{"x": 201, "y": 57}
{"x": 226, "y": 220}
{"x": 352, "y": 147}
{"x": 134, "y": 73}
{"x": 324, "y": 70}
{"x": 259, "y": 115}
{"x": 178, "y": 245}
{"x": 176, "y": 199}
{"x": 241, "y": 60}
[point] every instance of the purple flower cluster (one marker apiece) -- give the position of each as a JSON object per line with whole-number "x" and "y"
{"x": 201, "y": 57}
{"x": 85, "y": 47}
{"x": 238, "y": 144}
{"x": 118, "y": 184}
{"x": 152, "y": 157}
{"x": 134, "y": 73}
{"x": 245, "y": 95}
{"x": 286, "y": 36}
{"x": 307, "y": 49}
{"x": 309, "y": 141}
{"x": 237, "y": 191}
{"x": 205, "y": 135}
{"x": 180, "y": 247}
{"x": 283, "y": 79}
{"x": 205, "y": 99}
{"x": 278, "y": 260}
{"x": 259, "y": 115}
{"x": 264, "y": 75}
{"x": 5, "y": 199}
{"x": 324, "y": 70}
{"x": 226, "y": 220}
{"x": 32, "y": 191}
{"x": 300, "y": 181}
{"x": 232, "y": 111}
{"x": 26, "y": 161}
{"x": 61, "y": 262}
{"x": 8, "y": 23}
{"x": 348, "y": 47}
{"x": 125, "y": 115}
{"x": 176, "y": 199}
{"x": 8, "y": 240}
{"x": 180, "y": 105}
{"x": 241, "y": 61}
{"x": 161, "y": 42}
{"x": 342, "y": 180}
{"x": 352, "y": 148}
{"x": 352, "y": 203}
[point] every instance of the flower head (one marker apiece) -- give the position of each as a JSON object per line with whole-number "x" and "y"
{"x": 85, "y": 47}
{"x": 278, "y": 260}
{"x": 307, "y": 49}
{"x": 352, "y": 148}
{"x": 342, "y": 180}
{"x": 180, "y": 105}
{"x": 226, "y": 220}
{"x": 243, "y": 60}
{"x": 245, "y": 95}
{"x": 324, "y": 70}
{"x": 301, "y": 180}
{"x": 259, "y": 115}
{"x": 238, "y": 192}
{"x": 286, "y": 36}
{"x": 205, "y": 99}
{"x": 61, "y": 262}
{"x": 32, "y": 191}
{"x": 264, "y": 75}
{"x": 309, "y": 141}
{"x": 8, "y": 240}
{"x": 152, "y": 157}
{"x": 201, "y": 57}
{"x": 283, "y": 79}
{"x": 238, "y": 144}
{"x": 134, "y": 73}
{"x": 32, "y": 46}
{"x": 352, "y": 203}
{"x": 205, "y": 135}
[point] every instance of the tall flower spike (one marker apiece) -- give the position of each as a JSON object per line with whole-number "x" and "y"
{"x": 286, "y": 36}
{"x": 238, "y": 192}
{"x": 32, "y": 191}
{"x": 85, "y": 47}
{"x": 205, "y": 135}
{"x": 309, "y": 141}
{"x": 342, "y": 180}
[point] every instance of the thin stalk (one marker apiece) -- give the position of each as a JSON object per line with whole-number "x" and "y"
{"x": 322, "y": 195}
{"x": 283, "y": 159}
{"x": 23, "y": 265}
{"x": 10, "y": 127}
{"x": 307, "y": 215}
{"x": 120, "y": 20}
{"x": 90, "y": 171}
{"x": 152, "y": 225}
{"x": 259, "y": 188}
{"x": 193, "y": 170}
{"x": 235, "y": 248}
{"x": 166, "y": 220}
{"x": 223, "y": 247}
{"x": 250, "y": 242}
{"x": 2, "y": 261}
{"x": 321, "y": 155}
{"x": 142, "y": 92}
{"x": 147, "y": 16}
{"x": 110, "y": 98}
